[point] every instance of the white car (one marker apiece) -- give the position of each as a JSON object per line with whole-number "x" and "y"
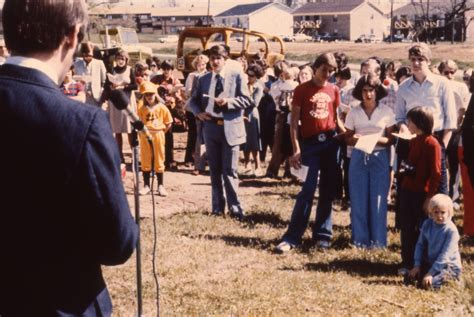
{"x": 301, "y": 37}
{"x": 172, "y": 38}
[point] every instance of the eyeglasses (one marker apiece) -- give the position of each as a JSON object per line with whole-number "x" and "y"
{"x": 153, "y": 65}
{"x": 449, "y": 72}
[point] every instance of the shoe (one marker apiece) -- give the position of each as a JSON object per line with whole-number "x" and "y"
{"x": 217, "y": 213}
{"x": 144, "y": 191}
{"x": 284, "y": 247}
{"x": 403, "y": 271}
{"x": 238, "y": 214}
{"x": 195, "y": 172}
{"x": 323, "y": 244}
{"x": 162, "y": 191}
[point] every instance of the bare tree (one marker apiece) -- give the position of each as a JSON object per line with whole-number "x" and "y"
{"x": 453, "y": 11}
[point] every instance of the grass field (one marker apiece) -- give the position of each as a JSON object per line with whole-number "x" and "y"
{"x": 209, "y": 266}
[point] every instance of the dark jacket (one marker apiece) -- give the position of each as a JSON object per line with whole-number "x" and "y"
{"x": 63, "y": 209}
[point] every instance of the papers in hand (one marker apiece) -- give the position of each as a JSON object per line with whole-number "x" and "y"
{"x": 366, "y": 143}
{"x": 212, "y": 97}
{"x": 405, "y": 136}
{"x": 300, "y": 173}
{"x": 115, "y": 79}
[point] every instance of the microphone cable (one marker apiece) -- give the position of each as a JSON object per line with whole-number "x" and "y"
{"x": 155, "y": 230}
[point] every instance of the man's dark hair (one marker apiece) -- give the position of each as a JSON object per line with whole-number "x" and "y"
{"x": 344, "y": 73}
{"x": 280, "y": 67}
{"x": 372, "y": 80}
{"x": 87, "y": 48}
{"x": 341, "y": 59}
{"x": 422, "y": 117}
{"x": 403, "y": 71}
{"x": 167, "y": 64}
{"x": 326, "y": 58}
{"x": 34, "y": 26}
{"x": 255, "y": 69}
{"x": 219, "y": 50}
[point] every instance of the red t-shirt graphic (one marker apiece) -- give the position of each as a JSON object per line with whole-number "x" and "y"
{"x": 318, "y": 107}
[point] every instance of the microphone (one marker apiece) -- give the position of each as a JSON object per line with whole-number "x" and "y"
{"x": 120, "y": 101}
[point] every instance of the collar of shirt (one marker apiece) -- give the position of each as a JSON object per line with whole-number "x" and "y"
{"x": 34, "y": 63}
{"x": 222, "y": 73}
{"x": 429, "y": 78}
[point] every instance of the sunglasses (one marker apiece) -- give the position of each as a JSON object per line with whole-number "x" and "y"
{"x": 153, "y": 65}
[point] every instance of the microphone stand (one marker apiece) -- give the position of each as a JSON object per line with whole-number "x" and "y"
{"x": 138, "y": 126}
{"x": 137, "y": 219}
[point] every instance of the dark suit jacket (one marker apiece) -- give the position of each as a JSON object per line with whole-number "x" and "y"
{"x": 63, "y": 210}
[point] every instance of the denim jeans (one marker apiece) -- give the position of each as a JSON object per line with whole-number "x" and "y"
{"x": 321, "y": 158}
{"x": 369, "y": 182}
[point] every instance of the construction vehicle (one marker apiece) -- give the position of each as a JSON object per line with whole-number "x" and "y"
{"x": 115, "y": 38}
{"x": 251, "y": 44}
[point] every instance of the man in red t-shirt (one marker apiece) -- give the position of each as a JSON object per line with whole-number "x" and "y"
{"x": 314, "y": 106}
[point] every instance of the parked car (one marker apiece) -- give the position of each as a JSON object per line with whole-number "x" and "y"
{"x": 172, "y": 38}
{"x": 301, "y": 37}
{"x": 395, "y": 38}
{"x": 298, "y": 37}
{"x": 326, "y": 37}
{"x": 372, "y": 38}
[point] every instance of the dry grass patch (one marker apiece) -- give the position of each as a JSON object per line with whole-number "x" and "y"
{"x": 215, "y": 266}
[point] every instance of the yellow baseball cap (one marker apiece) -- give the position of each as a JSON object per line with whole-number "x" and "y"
{"x": 148, "y": 87}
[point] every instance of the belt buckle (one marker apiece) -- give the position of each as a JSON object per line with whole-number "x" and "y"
{"x": 220, "y": 122}
{"x": 322, "y": 137}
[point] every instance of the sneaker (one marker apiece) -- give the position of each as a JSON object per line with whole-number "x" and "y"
{"x": 323, "y": 244}
{"x": 283, "y": 247}
{"x": 162, "y": 191}
{"x": 403, "y": 271}
{"x": 145, "y": 190}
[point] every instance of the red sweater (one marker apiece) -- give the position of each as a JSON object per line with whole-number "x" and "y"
{"x": 425, "y": 156}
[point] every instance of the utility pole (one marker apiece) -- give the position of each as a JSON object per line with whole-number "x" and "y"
{"x": 428, "y": 18}
{"x": 391, "y": 21}
{"x": 208, "y": 11}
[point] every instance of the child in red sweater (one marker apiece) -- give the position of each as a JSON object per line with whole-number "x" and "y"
{"x": 421, "y": 178}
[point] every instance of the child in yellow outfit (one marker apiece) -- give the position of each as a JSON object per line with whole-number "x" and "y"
{"x": 157, "y": 119}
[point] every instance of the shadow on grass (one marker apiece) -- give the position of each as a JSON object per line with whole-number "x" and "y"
{"x": 266, "y": 217}
{"x": 289, "y": 196}
{"x": 358, "y": 267}
{"x": 259, "y": 183}
{"x": 384, "y": 281}
{"x": 239, "y": 241}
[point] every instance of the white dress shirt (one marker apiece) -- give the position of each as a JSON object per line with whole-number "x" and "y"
{"x": 434, "y": 92}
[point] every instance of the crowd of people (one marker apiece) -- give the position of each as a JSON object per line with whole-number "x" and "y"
{"x": 356, "y": 136}
{"x": 387, "y": 135}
